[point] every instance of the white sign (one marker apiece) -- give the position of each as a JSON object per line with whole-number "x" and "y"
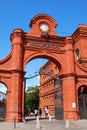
{"x": 73, "y": 105}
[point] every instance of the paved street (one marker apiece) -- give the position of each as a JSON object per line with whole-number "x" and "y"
{"x": 45, "y": 124}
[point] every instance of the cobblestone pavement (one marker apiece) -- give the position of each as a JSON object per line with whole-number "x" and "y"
{"x": 45, "y": 124}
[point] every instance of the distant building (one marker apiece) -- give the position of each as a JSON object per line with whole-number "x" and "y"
{"x": 2, "y": 95}
{"x": 2, "y": 104}
{"x": 47, "y": 88}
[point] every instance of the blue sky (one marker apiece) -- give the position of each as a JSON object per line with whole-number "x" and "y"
{"x": 18, "y": 13}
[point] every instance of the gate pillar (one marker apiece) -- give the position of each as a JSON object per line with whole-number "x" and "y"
{"x": 69, "y": 94}
{"x": 15, "y": 107}
{"x": 17, "y": 39}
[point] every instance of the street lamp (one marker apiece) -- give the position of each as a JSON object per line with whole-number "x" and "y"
{"x": 78, "y": 54}
{"x": 80, "y": 59}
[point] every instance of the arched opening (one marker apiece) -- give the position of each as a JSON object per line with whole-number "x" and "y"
{"x": 3, "y": 99}
{"x": 44, "y": 73}
{"x": 82, "y": 98}
{"x": 32, "y": 85}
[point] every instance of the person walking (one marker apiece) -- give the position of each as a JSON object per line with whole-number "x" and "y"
{"x": 36, "y": 113}
{"x": 46, "y": 110}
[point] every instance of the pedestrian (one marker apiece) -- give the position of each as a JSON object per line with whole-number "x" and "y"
{"x": 46, "y": 110}
{"x": 36, "y": 113}
{"x": 40, "y": 112}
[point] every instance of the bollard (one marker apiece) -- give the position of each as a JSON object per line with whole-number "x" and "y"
{"x": 38, "y": 122}
{"x": 67, "y": 123}
{"x": 50, "y": 118}
{"x": 14, "y": 122}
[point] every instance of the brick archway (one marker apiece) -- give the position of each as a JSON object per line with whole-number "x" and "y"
{"x": 80, "y": 84}
{"x": 82, "y": 100}
{"x": 41, "y": 41}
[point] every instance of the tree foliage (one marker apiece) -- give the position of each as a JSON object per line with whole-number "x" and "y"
{"x": 32, "y": 98}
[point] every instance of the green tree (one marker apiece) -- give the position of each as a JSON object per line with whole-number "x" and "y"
{"x": 32, "y": 98}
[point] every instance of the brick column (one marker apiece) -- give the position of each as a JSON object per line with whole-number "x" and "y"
{"x": 69, "y": 92}
{"x": 17, "y": 38}
{"x": 16, "y": 96}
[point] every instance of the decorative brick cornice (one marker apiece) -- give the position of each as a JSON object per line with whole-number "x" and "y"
{"x": 5, "y": 71}
{"x": 72, "y": 75}
{"x": 69, "y": 40}
{"x": 81, "y": 76}
{"x": 67, "y": 75}
{"x": 5, "y": 77}
{"x": 16, "y": 71}
{"x": 50, "y": 45}
{"x": 58, "y": 40}
{"x": 80, "y": 32}
{"x": 17, "y": 33}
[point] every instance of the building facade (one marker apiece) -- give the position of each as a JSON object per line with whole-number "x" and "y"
{"x": 54, "y": 93}
{"x": 2, "y": 95}
{"x": 68, "y": 53}
{"x": 47, "y": 91}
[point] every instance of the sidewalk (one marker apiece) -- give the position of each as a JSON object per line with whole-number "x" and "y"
{"x": 45, "y": 124}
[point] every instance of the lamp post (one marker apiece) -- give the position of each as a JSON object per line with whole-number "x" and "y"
{"x": 80, "y": 59}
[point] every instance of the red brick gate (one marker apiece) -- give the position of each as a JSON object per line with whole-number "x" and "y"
{"x": 43, "y": 42}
